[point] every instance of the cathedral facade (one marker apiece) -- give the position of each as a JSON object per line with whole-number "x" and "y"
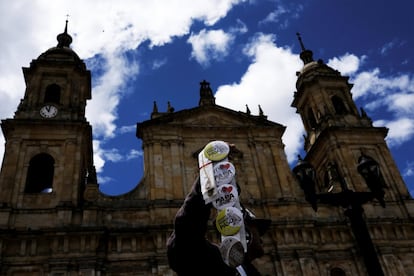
{"x": 55, "y": 221}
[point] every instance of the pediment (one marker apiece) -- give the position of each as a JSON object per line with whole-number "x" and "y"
{"x": 218, "y": 116}
{"x": 211, "y": 116}
{"x": 213, "y": 119}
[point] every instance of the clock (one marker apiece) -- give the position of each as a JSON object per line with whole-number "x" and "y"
{"x": 48, "y": 111}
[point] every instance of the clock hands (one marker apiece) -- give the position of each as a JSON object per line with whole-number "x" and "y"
{"x": 48, "y": 111}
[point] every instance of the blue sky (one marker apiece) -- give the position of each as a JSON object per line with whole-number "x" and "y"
{"x": 145, "y": 51}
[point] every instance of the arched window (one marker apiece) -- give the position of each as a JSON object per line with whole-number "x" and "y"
{"x": 339, "y": 105}
{"x": 40, "y": 174}
{"x": 311, "y": 118}
{"x": 52, "y": 94}
{"x": 336, "y": 271}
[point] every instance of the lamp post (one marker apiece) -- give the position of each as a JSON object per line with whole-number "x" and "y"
{"x": 351, "y": 202}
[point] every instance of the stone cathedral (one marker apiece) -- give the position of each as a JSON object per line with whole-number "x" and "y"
{"x": 55, "y": 221}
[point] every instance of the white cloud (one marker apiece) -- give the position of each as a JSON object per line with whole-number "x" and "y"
{"x": 133, "y": 154}
{"x": 402, "y": 103}
{"x": 98, "y": 156}
{"x": 101, "y": 155}
{"x": 394, "y": 94}
{"x": 11, "y": 90}
{"x": 274, "y": 17}
{"x": 114, "y": 28}
{"x": 400, "y": 130}
{"x": 158, "y": 63}
{"x": 346, "y": 64}
{"x": 283, "y": 14}
{"x": 240, "y": 28}
{"x": 387, "y": 47}
{"x": 409, "y": 169}
{"x": 102, "y": 180}
{"x": 101, "y": 112}
{"x": 371, "y": 82}
{"x": 99, "y": 28}
{"x": 119, "y": 27}
{"x": 363, "y": 83}
{"x": 210, "y": 45}
{"x": 127, "y": 129}
{"x": 113, "y": 155}
{"x": 391, "y": 45}
{"x": 270, "y": 82}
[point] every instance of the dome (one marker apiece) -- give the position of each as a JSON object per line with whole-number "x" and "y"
{"x": 62, "y": 51}
{"x": 317, "y": 66}
{"x": 59, "y": 53}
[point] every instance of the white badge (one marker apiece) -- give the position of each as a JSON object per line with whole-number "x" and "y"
{"x": 224, "y": 172}
{"x": 227, "y": 196}
{"x": 232, "y": 251}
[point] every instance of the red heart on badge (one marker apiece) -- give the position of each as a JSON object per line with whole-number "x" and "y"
{"x": 227, "y": 189}
{"x": 225, "y": 166}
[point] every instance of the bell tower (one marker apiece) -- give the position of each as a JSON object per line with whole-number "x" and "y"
{"x": 338, "y": 136}
{"x": 48, "y": 150}
{"x": 324, "y": 99}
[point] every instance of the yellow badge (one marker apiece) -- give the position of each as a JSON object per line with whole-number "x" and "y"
{"x": 229, "y": 221}
{"x": 216, "y": 150}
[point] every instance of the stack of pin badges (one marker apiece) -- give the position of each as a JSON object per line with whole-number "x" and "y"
{"x": 218, "y": 186}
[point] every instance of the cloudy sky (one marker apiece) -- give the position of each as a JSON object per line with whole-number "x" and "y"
{"x": 141, "y": 51}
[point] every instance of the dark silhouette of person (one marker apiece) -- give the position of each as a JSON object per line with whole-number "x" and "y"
{"x": 190, "y": 253}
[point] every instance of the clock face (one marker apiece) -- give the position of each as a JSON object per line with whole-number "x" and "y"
{"x": 48, "y": 111}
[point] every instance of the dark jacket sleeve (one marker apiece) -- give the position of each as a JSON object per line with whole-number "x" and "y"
{"x": 191, "y": 219}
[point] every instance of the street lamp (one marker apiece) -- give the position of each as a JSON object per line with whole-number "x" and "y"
{"x": 351, "y": 201}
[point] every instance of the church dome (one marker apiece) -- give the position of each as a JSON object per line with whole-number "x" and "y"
{"x": 315, "y": 68}
{"x": 62, "y": 51}
{"x": 59, "y": 53}
{"x": 312, "y": 68}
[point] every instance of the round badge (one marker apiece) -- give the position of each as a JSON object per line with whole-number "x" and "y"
{"x": 232, "y": 251}
{"x": 229, "y": 220}
{"x": 216, "y": 150}
{"x": 226, "y": 196}
{"x": 224, "y": 172}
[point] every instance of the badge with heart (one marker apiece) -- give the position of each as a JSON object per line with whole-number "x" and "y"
{"x": 224, "y": 172}
{"x": 227, "y": 196}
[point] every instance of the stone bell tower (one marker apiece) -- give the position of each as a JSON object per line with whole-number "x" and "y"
{"x": 348, "y": 164}
{"x": 337, "y": 134}
{"x": 48, "y": 149}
